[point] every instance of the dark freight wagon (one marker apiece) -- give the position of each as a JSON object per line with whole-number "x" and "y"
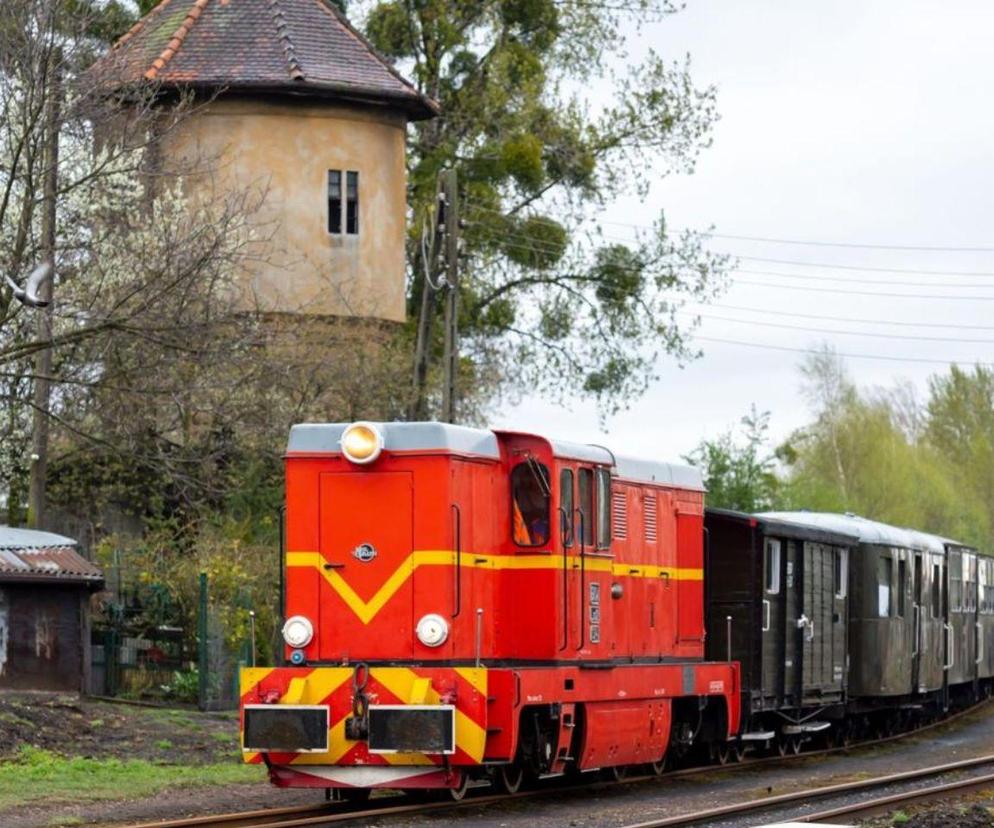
{"x": 784, "y": 587}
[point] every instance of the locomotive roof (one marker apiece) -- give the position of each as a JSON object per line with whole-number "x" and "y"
{"x": 430, "y": 436}
{"x": 868, "y": 531}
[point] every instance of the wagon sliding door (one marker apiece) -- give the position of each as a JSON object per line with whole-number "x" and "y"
{"x": 824, "y": 630}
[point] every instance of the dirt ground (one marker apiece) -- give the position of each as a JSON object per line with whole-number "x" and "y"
{"x": 945, "y": 816}
{"x": 70, "y": 726}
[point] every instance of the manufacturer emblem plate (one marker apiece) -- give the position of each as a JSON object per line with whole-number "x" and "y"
{"x": 364, "y": 552}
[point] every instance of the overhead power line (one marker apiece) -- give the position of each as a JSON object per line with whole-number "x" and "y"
{"x": 851, "y": 320}
{"x": 889, "y": 295}
{"x": 885, "y": 357}
{"x": 872, "y": 334}
{"x": 916, "y": 248}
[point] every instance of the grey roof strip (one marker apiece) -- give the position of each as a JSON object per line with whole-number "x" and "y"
{"x": 868, "y": 531}
{"x": 326, "y": 437}
{"x": 15, "y": 538}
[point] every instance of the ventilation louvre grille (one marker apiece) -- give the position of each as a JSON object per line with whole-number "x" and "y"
{"x": 619, "y": 514}
{"x": 650, "y": 518}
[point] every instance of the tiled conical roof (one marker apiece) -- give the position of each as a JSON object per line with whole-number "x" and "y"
{"x": 302, "y": 47}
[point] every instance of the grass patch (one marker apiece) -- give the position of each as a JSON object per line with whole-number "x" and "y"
{"x": 40, "y": 775}
{"x": 65, "y": 820}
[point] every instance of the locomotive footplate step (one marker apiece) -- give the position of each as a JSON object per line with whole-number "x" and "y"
{"x": 806, "y": 727}
{"x": 758, "y": 736}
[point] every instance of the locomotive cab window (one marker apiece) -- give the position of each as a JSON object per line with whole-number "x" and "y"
{"x": 772, "y": 564}
{"x": 566, "y": 506}
{"x": 603, "y": 480}
{"x": 530, "y": 503}
{"x": 585, "y": 493}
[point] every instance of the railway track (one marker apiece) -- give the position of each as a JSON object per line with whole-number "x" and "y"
{"x": 328, "y": 813}
{"x": 859, "y": 809}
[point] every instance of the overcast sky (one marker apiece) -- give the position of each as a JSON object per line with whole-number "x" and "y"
{"x": 858, "y": 122}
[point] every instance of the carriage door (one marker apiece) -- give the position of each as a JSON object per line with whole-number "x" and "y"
{"x": 916, "y": 621}
{"x": 772, "y": 619}
{"x": 817, "y": 623}
{"x": 794, "y": 630}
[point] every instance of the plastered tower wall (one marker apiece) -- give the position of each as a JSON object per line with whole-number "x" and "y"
{"x": 281, "y": 152}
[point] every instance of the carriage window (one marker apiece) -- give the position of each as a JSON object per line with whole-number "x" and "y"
{"x": 969, "y": 583}
{"x": 841, "y": 572}
{"x": 902, "y": 586}
{"x": 566, "y": 506}
{"x": 885, "y": 573}
{"x": 936, "y": 591}
{"x": 586, "y": 496}
{"x": 530, "y": 503}
{"x": 772, "y": 564}
{"x": 603, "y": 509}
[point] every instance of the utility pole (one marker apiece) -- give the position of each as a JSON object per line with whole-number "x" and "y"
{"x": 41, "y": 393}
{"x": 422, "y": 348}
{"x": 451, "y": 352}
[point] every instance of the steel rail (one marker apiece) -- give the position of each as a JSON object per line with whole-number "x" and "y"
{"x": 795, "y": 797}
{"x": 885, "y": 804}
{"x": 324, "y": 812}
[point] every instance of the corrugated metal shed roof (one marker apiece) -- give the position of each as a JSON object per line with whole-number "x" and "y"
{"x": 29, "y": 555}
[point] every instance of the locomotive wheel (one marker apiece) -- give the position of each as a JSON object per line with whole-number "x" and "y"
{"x": 658, "y": 768}
{"x": 509, "y": 778}
{"x": 617, "y": 773}
{"x": 458, "y": 794}
{"x": 737, "y": 752}
{"x": 722, "y": 754}
{"x": 783, "y": 745}
{"x": 796, "y": 743}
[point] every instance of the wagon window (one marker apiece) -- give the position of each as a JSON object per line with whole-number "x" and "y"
{"x": 603, "y": 480}
{"x": 902, "y": 586}
{"x": 841, "y": 572}
{"x": 772, "y": 564}
{"x": 955, "y": 587}
{"x": 566, "y": 505}
{"x": 530, "y": 503}
{"x": 885, "y": 572}
{"x": 936, "y": 591}
{"x": 969, "y": 583}
{"x": 586, "y": 505}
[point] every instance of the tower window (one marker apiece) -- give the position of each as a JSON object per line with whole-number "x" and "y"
{"x": 334, "y": 201}
{"x": 351, "y": 202}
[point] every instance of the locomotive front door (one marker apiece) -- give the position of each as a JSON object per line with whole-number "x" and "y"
{"x": 365, "y": 565}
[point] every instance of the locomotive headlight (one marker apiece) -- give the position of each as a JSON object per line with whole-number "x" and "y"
{"x": 362, "y": 442}
{"x": 432, "y": 630}
{"x": 298, "y": 632}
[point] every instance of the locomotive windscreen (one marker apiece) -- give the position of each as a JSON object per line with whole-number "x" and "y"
{"x": 407, "y": 728}
{"x": 278, "y": 727}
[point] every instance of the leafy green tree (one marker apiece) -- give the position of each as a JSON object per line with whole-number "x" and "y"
{"x": 549, "y": 302}
{"x": 858, "y": 455}
{"x": 960, "y": 426}
{"x": 739, "y": 473}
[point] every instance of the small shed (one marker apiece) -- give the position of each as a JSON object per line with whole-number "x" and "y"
{"x": 45, "y": 589}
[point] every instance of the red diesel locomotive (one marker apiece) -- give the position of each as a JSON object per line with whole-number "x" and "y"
{"x": 468, "y": 605}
